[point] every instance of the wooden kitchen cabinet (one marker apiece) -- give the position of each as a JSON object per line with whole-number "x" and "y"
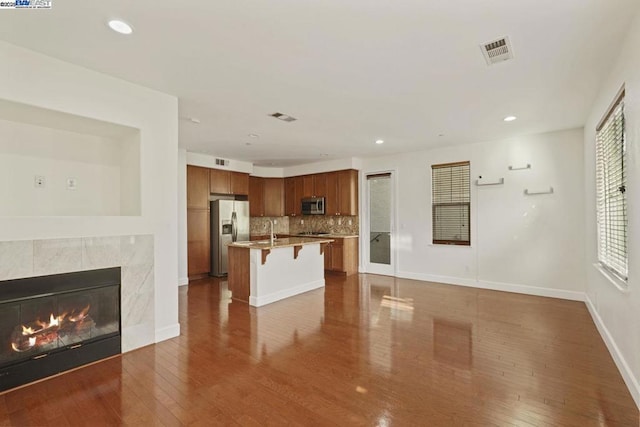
{"x": 219, "y": 181}
{"x": 342, "y": 193}
{"x": 239, "y": 183}
{"x": 228, "y": 182}
{"x": 256, "y": 196}
{"x": 314, "y": 185}
{"x": 266, "y": 196}
{"x": 320, "y": 185}
{"x": 341, "y": 256}
{"x": 293, "y": 190}
{"x": 273, "y": 197}
{"x": 197, "y": 187}
{"x": 198, "y": 243}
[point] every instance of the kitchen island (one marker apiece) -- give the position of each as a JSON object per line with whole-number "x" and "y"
{"x": 261, "y": 272}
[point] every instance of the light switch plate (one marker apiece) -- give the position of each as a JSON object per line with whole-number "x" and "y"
{"x": 39, "y": 181}
{"x": 72, "y": 184}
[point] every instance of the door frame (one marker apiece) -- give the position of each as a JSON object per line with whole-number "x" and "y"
{"x": 369, "y": 267}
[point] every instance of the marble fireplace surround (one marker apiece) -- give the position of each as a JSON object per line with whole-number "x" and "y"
{"x": 134, "y": 254}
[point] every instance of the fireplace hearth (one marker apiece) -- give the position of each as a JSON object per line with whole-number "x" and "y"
{"x": 51, "y": 324}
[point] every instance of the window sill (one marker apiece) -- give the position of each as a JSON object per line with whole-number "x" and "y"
{"x": 444, "y": 245}
{"x": 621, "y": 285}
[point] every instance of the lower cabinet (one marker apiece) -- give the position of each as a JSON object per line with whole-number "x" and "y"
{"x": 198, "y": 245}
{"x": 341, "y": 255}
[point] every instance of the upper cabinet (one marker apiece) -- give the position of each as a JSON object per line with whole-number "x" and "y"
{"x": 256, "y": 196}
{"x": 274, "y": 196}
{"x": 266, "y": 196}
{"x": 314, "y": 185}
{"x": 197, "y": 187}
{"x": 292, "y": 196}
{"x": 342, "y": 193}
{"x": 240, "y": 183}
{"x": 228, "y": 182}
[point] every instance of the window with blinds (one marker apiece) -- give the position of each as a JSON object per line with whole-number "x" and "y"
{"x": 611, "y": 185}
{"x": 451, "y": 203}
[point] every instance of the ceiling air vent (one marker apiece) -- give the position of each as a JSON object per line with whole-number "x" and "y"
{"x": 283, "y": 117}
{"x": 222, "y": 162}
{"x": 497, "y": 50}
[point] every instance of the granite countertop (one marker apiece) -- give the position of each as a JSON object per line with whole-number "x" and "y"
{"x": 281, "y": 243}
{"x": 329, "y": 235}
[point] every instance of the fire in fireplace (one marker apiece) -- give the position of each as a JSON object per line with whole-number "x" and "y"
{"x": 54, "y": 323}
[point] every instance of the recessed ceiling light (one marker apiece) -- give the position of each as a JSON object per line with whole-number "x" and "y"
{"x": 254, "y": 135}
{"x": 324, "y": 155}
{"x": 194, "y": 120}
{"x": 120, "y": 26}
{"x": 509, "y": 118}
{"x": 379, "y": 141}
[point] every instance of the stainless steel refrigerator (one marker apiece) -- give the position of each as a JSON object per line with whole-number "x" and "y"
{"x": 229, "y": 223}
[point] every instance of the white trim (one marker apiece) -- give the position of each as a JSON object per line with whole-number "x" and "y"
{"x": 616, "y": 354}
{"x": 167, "y": 332}
{"x": 183, "y": 281}
{"x": 621, "y": 285}
{"x": 277, "y": 296}
{"x": 497, "y": 286}
{"x": 365, "y": 221}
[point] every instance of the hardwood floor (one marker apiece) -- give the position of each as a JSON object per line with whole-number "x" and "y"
{"x": 367, "y": 350}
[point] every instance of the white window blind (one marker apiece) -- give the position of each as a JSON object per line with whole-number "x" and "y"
{"x": 451, "y": 203}
{"x": 611, "y": 182}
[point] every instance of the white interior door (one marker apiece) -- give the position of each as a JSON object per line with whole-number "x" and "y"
{"x": 379, "y": 243}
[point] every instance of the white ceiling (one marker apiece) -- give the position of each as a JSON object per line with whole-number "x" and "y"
{"x": 351, "y": 71}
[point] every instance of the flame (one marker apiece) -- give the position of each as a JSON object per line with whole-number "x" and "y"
{"x": 32, "y": 341}
{"x": 27, "y": 330}
{"x": 54, "y": 321}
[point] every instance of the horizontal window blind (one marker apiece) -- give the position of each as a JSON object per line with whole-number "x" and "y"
{"x": 451, "y": 203}
{"x": 611, "y": 188}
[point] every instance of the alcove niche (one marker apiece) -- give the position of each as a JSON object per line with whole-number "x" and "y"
{"x": 58, "y": 164}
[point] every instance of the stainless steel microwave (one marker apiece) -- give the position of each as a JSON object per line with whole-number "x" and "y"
{"x": 313, "y": 206}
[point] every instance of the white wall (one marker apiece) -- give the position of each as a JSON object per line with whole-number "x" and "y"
{"x": 41, "y": 81}
{"x": 616, "y": 312}
{"x": 531, "y": 244}
{"x": 96, "y": 163}
{"x": 183, "y": 274}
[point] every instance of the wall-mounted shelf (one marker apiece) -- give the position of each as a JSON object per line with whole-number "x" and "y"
{"x": 528, "y": 192}
{"x": 519, "y": 168}
{"x": 484, "y": 181}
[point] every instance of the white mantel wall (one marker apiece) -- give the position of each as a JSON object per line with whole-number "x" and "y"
{"x": 34, "y": 79}
{"x": 528, "y": 244}
{"x": 616, "y": 312}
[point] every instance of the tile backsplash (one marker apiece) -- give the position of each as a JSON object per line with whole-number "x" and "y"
{"x": 299, "y": 224}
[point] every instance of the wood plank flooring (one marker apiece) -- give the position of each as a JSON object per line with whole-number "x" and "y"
{"x": 367, "y": 350}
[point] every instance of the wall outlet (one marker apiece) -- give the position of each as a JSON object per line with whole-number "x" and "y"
{"x": 275, "y": 221}
{"x": 350, "y": 222}
{"x": 38, "y": 181}
{"x": 339, "y": 221}
{"x": 72, "y": 184}
{"x": 302, "y": 222}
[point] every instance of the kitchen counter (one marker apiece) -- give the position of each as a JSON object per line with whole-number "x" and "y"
{"x": 261, "y": 273}
{"x": 281, "y": 242}
{"x": 328, "y": 235}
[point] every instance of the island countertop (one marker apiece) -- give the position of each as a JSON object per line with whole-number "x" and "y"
{"x": 280, "y": 243}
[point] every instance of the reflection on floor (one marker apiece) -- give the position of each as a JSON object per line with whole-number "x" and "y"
{"x": 367, "y": 350}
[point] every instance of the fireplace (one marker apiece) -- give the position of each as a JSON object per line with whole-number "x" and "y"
{"x": 51, "y": 324}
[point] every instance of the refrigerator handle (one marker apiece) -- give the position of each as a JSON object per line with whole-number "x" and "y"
{"x": 234, "y": 227}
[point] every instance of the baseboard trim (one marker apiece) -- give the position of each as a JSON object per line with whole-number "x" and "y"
{"x": 277, "y": 296}
{"x": 167, "y": 332}
{"x": 496, "y": 286}
{"x": 183, "y": 281}
{"x": 618, "y": 358}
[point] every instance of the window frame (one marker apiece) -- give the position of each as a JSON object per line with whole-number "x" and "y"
{"x": 603, "y": 193}
{"x": 467, "y": 204}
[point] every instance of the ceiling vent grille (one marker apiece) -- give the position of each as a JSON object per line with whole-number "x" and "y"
{"x": 497, "y": 50}
{"x": 283, "y": 117}
{"x": 222, "y": 162}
